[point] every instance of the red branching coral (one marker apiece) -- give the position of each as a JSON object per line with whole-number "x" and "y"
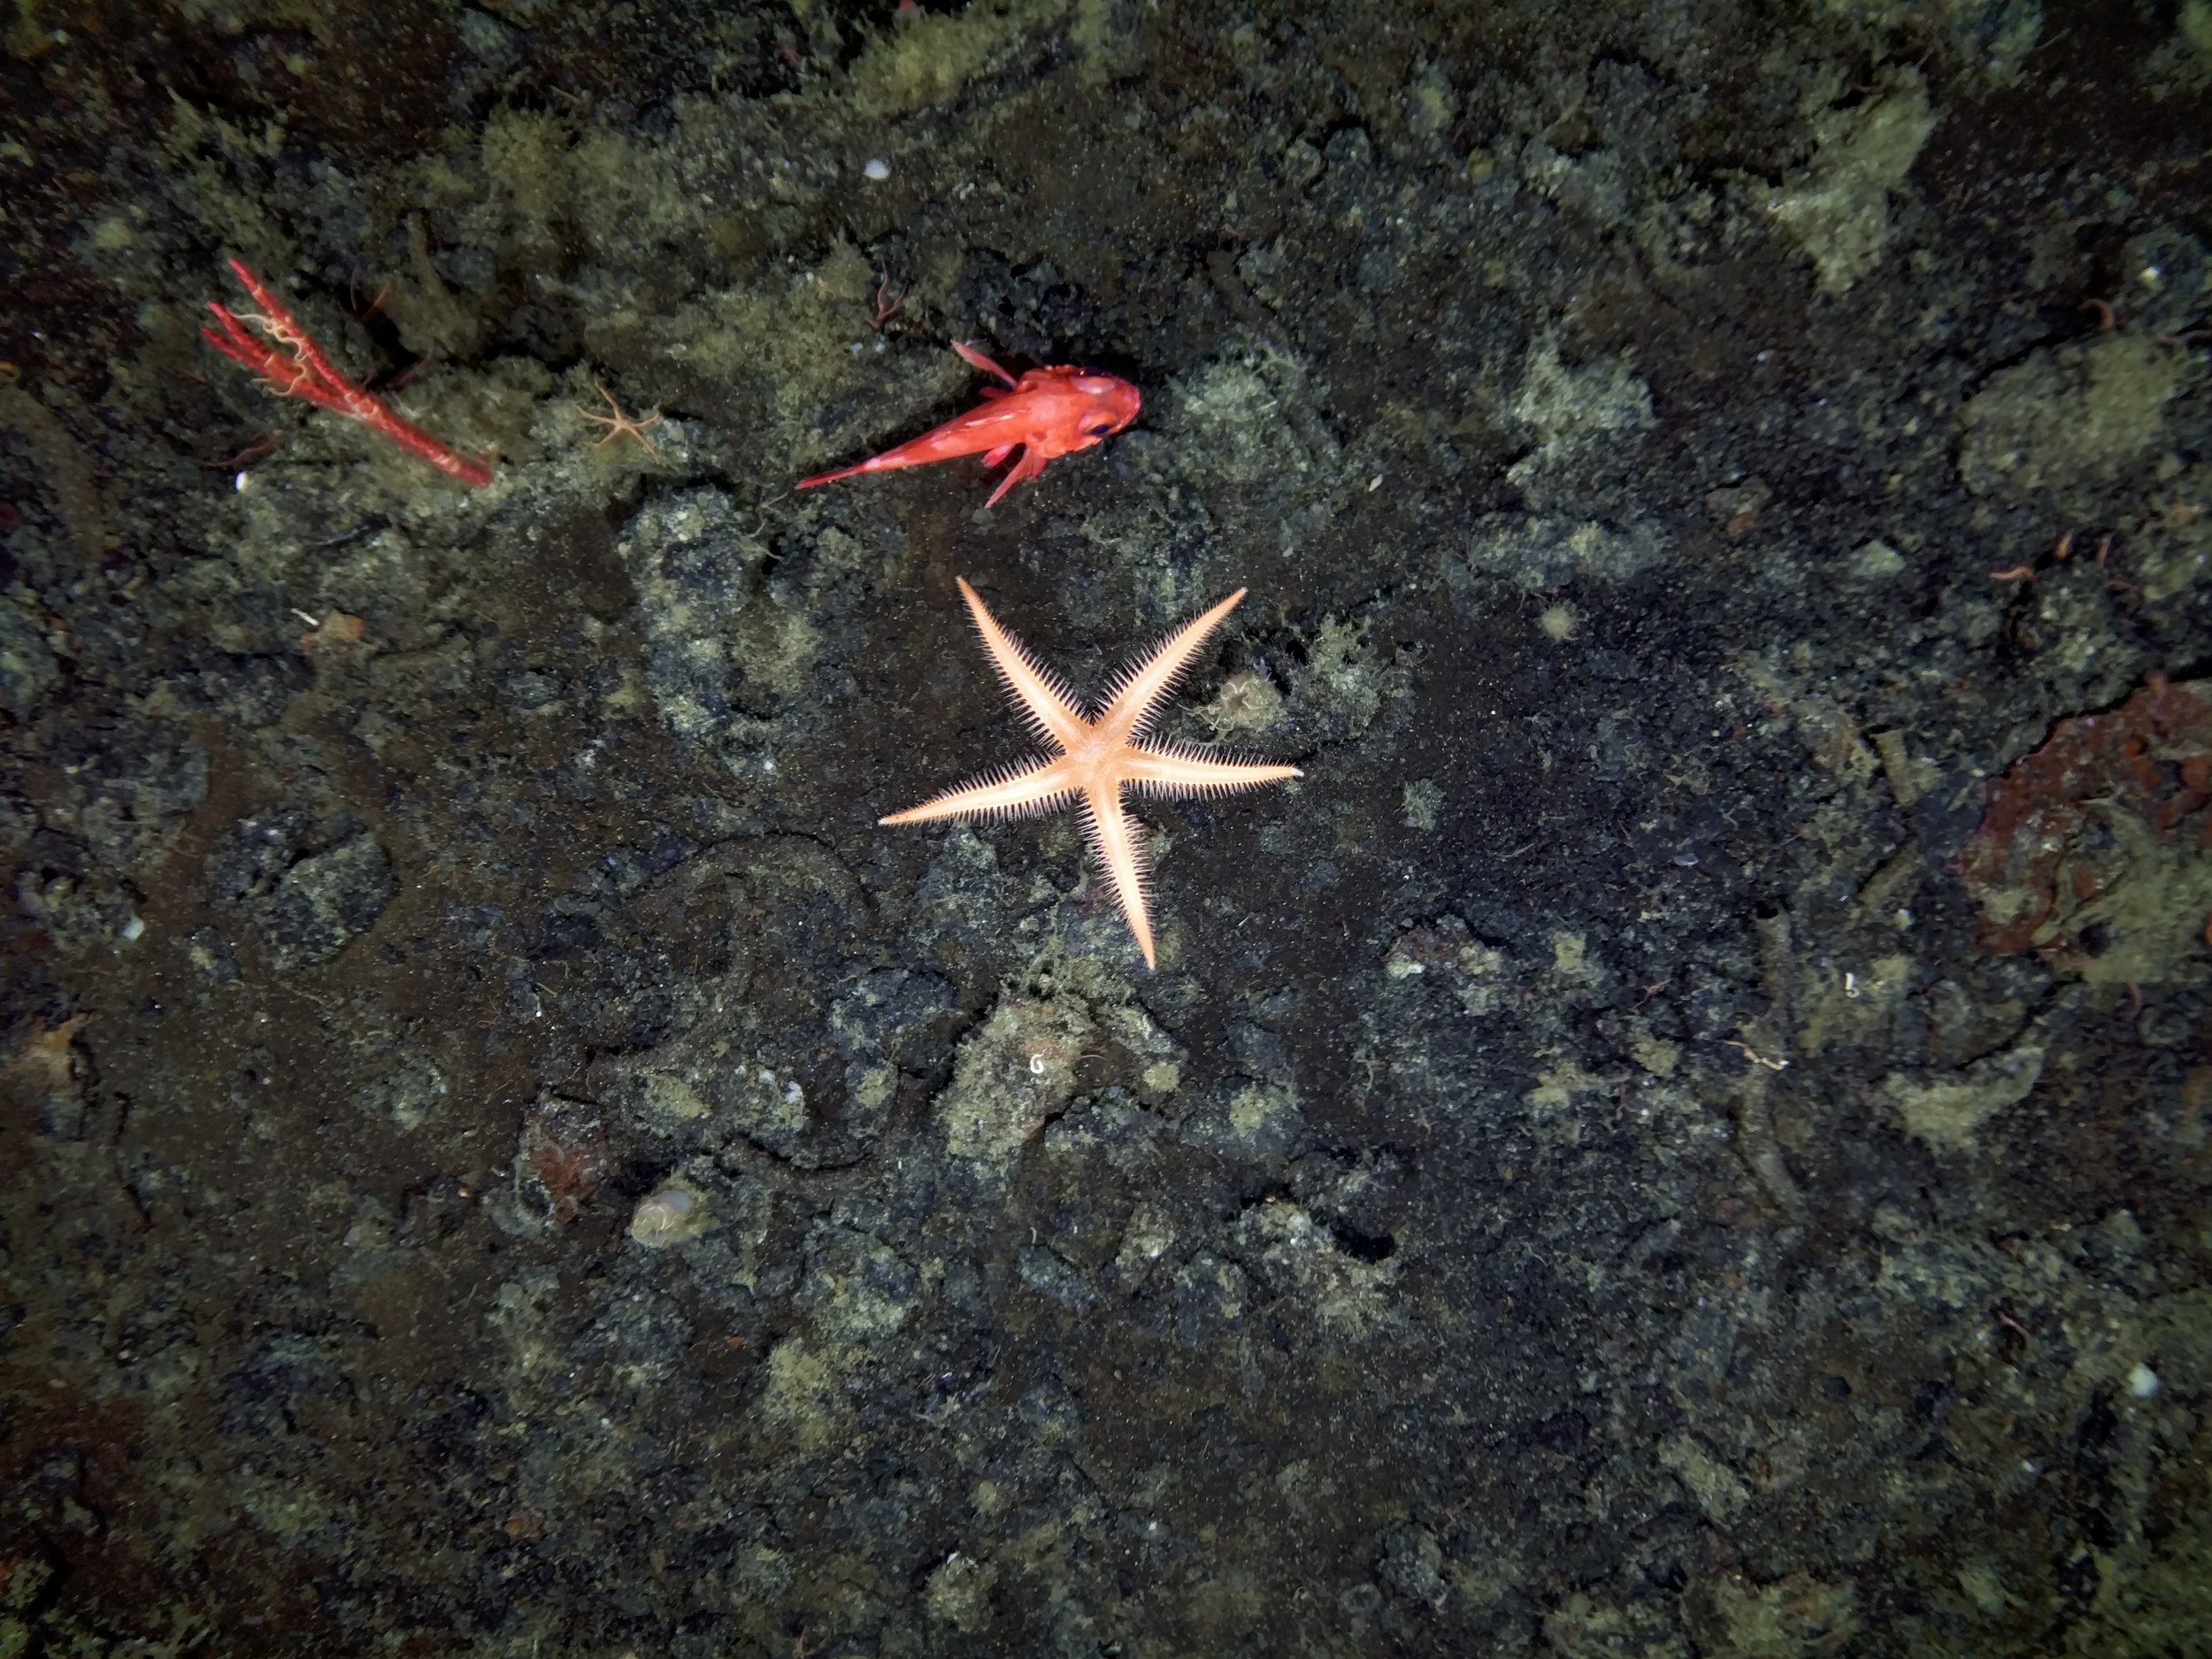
{"x": 291, "y": 364}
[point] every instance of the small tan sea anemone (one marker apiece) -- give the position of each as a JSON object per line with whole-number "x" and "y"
{"x": 670, "y": 1213}
{"x": 1559, "y": 622}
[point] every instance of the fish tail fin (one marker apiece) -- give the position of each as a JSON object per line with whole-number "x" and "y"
{"x": 886, "y": 462}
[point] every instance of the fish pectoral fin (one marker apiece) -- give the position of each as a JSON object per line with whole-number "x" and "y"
{"x": 975, "y": 359}
{"x": 1028, "y": 466}
{"x": 992, "y": 458}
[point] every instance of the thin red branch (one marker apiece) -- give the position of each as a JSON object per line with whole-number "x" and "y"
{"x": 886, "y": 311}
{"x": 291, "y": 364}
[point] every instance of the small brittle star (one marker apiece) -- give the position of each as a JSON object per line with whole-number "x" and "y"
{"x": 619, "y": 423}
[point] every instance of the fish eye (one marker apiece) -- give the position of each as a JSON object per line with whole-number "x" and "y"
{"x": 1099, "y": 429}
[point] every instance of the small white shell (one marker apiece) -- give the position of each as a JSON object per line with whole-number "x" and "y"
{"x": 877, "y": 169}
{"x": 675, "y": 1211}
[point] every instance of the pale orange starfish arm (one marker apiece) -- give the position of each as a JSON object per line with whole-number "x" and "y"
{"x": 1051, "y": 705}
{"x": 1008, "y": 793}
{"x": 1140, "y": 688}
{"x": 1119, "y": 845}
{"x": 1172, "y": 770}
{"x": 1165, "y": 771}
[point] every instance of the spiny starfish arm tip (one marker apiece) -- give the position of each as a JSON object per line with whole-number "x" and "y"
{"x": 1175, "y": 769}
{"x": 1144, "y": 683}
{"x": 1118, "y": 843}
{"x": 1049, "y": 700}
{"x": 1015, "y": 792}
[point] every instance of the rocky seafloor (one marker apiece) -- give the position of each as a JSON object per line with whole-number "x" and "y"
{"x": 1683, "y": 1134}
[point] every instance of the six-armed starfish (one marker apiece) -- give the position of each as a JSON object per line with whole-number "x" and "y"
{"x": 1099, "y": 755}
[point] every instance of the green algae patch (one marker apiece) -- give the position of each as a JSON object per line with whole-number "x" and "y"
{"x": 802, "y": 1397}
{"x": 1300, "y": 1259}
{"x": 1719, "y": 1491}
{"x": 772, "y": 355}
{"x": 2070, "y": 417}
{"x": 1734, "y": 1616}
{"x": 858, "y": 1291}
{"x": 1262, "y": 1113}
{"x": 1566, "y": 408}
{"x": 1233, "y": 405}
{"x": 1837, "y": 209}
{"x": 1854, "y": 1005}
{"x": 1949, "y": 1113}
{"x": 1014, "y": 1073}
{"x": 931, "y": 58}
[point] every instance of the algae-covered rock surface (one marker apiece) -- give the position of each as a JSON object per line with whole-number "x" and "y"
{"x": 1683, "y": 1132}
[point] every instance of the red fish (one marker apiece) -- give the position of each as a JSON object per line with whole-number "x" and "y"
{"x": 1045, "y": 414}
